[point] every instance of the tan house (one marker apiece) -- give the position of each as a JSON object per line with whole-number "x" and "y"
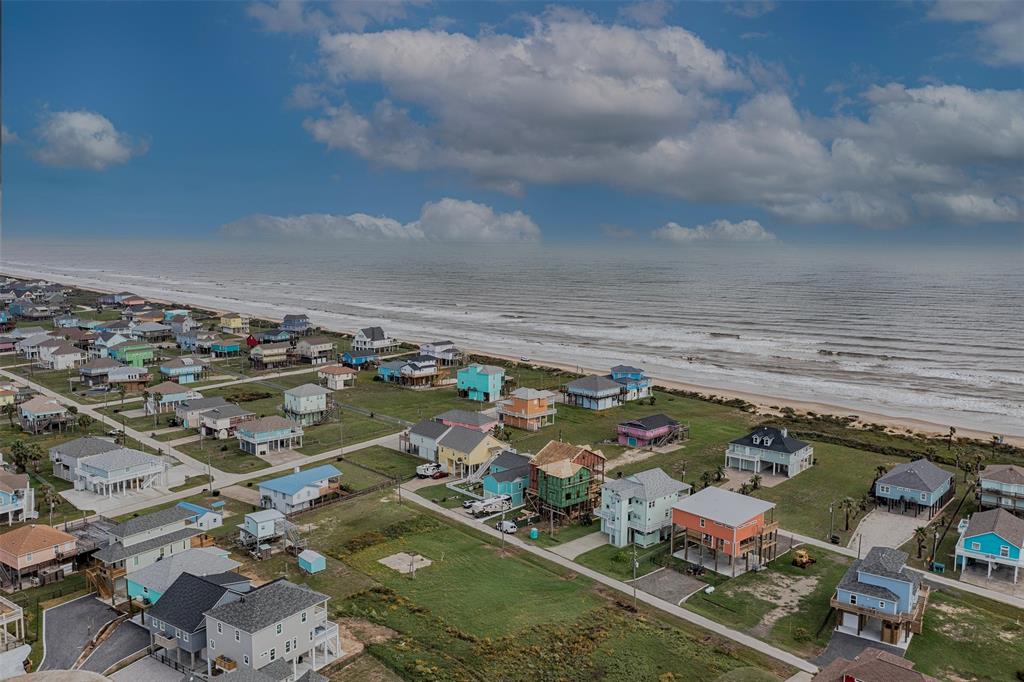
{"x": 463, "y": 452}
{"x": 337, "y": 377}
{"x": 35, "y": 549}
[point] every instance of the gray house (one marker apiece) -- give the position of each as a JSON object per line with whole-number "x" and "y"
{"x": 66, "y": 455}
{"x": 177, "y": 622}
{"x": 421, "y": 439}
{"x": 279, "y": 621}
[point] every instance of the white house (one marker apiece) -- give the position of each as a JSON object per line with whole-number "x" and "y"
{"x": 637, "y": 509}
{"x": 373, "y": 338}
{"x": 769, "y": 450}
{"x": 444, "y": 352}
{"x": 118, "y": 472}
{"x": 143, "y": 540}
{"x": 337, "y": 377}
{"x": 300, "y": 489}
{"x": 261, "y": 526}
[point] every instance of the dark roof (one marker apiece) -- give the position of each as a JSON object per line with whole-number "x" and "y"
{"x": 361, "y": 353}
{"x": 373, "y": 333}
{"x": 226, "y": 578}
{"x": 203, "y": 403}
{"x": 851, "y": 582}
{"x": 466, "y": 417}
{"x": 186, "y": 600}
{"x": 652, "y": 422}
{"x": 84, "y": 447}
{"x": 289, "y": 318}
{"x": 461, "y": 439}
{"x": 509, "y": 460}
{"x": 918, "y": 475}
{"x": 428, "y": 428}
{"x": 116, "y": 552}
{"x": 998, "y": 521}
{"x": 266, "y": 605}
{"x": 626, "y": 369}
{"x": 1003, "y": 473}
{"x": 777, "y": 440}
{"x": 150, "y": 521}
{"x": 593, "y": 384}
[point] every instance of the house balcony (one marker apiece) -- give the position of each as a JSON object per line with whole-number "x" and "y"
{"x": 165, "y": 642}
{"x": 608, "y": 515}
{"x": 987, "y": 557}
{"x": 324, "y": 632}
{"x": 526, "y": 414}
{"x": 914, "y": 616}
{"x": 648, "y": 525}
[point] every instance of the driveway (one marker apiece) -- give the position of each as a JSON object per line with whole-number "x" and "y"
{"x": 147, "y": 669}
{"x": 83, "y": 499}
{"x": 126, "y": 640}
{"x": 667, "y": 584}
{"x": 67, "y": 628}
{"x": 843, "y": 645}
{"x": 243, "y": 494}
{"x": 885, "y": 529}
{"x": 574, "y": 548}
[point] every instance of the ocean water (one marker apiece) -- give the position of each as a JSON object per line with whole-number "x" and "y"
{"x": 934, "y": 335}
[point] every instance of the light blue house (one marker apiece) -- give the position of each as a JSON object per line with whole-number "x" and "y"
{"x": 482, "y": 383}
{"x": 183, "y": 370}
{"x": 274, "y": 336}
{"x": 301, "y": 489}
{"x": 261, "y": 526}
{"x": 879, "y": 599}
{"x": 637, "y": 509}
{"x": 311, "y": 562}
{"x": 4, "y": 318}
{"x": 268, "y": 434}
{"x": 994, "y": 539}
{"x": 296, "y": 324}
{"x": 913, "y": 487}
{"x": 594, "y": 393}
{"x": 222, "y": 347}
{"x": 67, "y": 321}
{"x": 633, "y": 379}
{"x": 170, "y": 314}
{"x": 391, "y": 371}
{"x": 1002, "y": 485}
{"x": 509, "y": 474}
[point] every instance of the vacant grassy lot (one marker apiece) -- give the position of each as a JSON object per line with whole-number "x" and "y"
{"x": 785, "y": 605}
{"x": 617, "y": 561}
{"x": 224, "y": 455}
{"x": 385, "y": 460}
{"x": 442, "y": 495}
{"x": 969, "y": 638}
{"x": 355, "y": 428}
{"x": 402, "y": 403}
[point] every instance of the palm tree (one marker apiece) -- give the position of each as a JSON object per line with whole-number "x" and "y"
{"x": 755, "y": 481}
{"x": 121, "y": 390}
{"x": 847, "y": 505}
{"x": 157, "y": 397}
{"x": 705, "y": 478}
{"x": 949, "y": 437}
{"x": 744, "y": 489}
{"x": 881, "y": 470}
{"x": 920, "y": 536}
{"x": 85, "y": 422}
{"x": 50, "y": 499}
{"x": 35, "y": 455}
{"x": 719, "y": 472}
{"x": 995, "y": 440}
{"x": 19, "y": 454}
{"x": 10, "y": 410}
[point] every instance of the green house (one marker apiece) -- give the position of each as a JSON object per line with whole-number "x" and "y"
{"x": 132, "y": 353}
{"x": 563, "y": 484}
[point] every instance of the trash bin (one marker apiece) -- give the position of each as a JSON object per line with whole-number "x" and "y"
{"x": 534, "y": 533}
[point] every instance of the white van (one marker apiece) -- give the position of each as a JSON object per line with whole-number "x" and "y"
{"x": 508, "y": 527}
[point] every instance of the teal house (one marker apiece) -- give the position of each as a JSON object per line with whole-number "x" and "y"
{"x": 994, "y": 541}
{"x": 148, "y": 584}
{"x": 481, "y": 382}
{"x": 312, "y": 562}
{"x": 509, "y": 474}
{"x": 220, "y": 348}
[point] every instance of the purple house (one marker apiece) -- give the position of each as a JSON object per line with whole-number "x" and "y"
{"x": 657, "y": 429}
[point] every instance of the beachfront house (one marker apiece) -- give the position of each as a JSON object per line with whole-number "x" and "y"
{"x": 652, "y": 431}
{"x": 769, "y": 450}
{"x": 528, "y": 409}
{"x": 444, "y": 352}
{"x": 186, "y": 369}
{"x": 301, "y": 489}
{"x": 508, "y": 474}
{"x": 421, "y": 439}
{"x": 296, "y": 324}
{"x": 914, "y": 487}
{"x": 35, "y": 552}
{"x": 483, "y": 383}
{"x": 133, "y": 353}
{"x": 190, "y": 412}
{"x": 279, "y": 627}
{"x": 358, "y": 359}
{"x": 637, "y": 509}
{"x": 234, "y": 323}
{"x": 1002, "y": 486}
{"x": 418, "y": 372}
{"x": 41, "y": 414}
{"x": 150, "y": 583}
{"x": 17, "y": 498}
{"x": 222, "y": 422}
{"x": 879, "y": 599}
{"x": 721, "y": 523}
{"x": 635, "y": 384}
{"x": 29, "y": 346}
{"x": 565, "y": 481}
{"x": 270, "y": 355}
{"x": 375, "y": 339}
{"x": 336, "y": 377}
{"x": 268, "y": 434}
{"x": 993, "y": 539}
{"x": 462, "y": 452}
{"x": 478, "y": 421}
{"x": 271, "y": 336}
{"x": 167, "y": 395}
{"x": 593, "y": 393}
{"x": 177, "y": 624}
{"x": 308, "y": 404}
{"x": 315, "y": 350}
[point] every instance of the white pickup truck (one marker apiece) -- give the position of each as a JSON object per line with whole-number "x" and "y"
{"x": 492, "y": 505}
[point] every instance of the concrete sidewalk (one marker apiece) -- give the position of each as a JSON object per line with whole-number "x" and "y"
{"x": 573, "y": 548}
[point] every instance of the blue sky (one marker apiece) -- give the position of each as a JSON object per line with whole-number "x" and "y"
{"x": 697, "y": 122}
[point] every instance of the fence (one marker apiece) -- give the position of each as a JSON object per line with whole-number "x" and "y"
{"x": 180, "y": 667}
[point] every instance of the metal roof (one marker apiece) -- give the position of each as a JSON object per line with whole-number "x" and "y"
{"x": 723, "y": 506}
{"x": 293, "y": 483}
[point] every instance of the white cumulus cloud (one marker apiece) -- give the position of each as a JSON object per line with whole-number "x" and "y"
{"x": 83, "y": 139}
{"x": 447, "y": 220}
{"x": 1000, "y": 23}
{"x": 715, "y": 231}
{"x": 297, "y": 16}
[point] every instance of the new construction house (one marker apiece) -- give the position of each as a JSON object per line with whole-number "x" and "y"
{"x": 565, "y": 481}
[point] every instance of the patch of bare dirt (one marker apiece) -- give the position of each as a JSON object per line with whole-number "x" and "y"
{"x": 783, "y": 591}
{"x": 366, "y": 631}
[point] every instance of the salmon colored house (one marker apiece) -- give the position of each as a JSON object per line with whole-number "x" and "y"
{"x": 528, "y": 409}
{"x": 32, "y": 548}
{"x": 719, "y": 523}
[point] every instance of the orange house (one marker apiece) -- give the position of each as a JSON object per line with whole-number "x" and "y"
{"x": 27, "y": 550}
{"x": 527, "y": 409}
{"x": 717, "y": 522}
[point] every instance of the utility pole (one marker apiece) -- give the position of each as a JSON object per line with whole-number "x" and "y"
{"x": 636, "y": 564}
{"x": 831, "y": 520}
{"x": 502, "y": 530}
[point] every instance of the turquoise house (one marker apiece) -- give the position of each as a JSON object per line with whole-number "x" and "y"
{"x": 993, "y": 539}
{"x": 391, "y": 371}
{"x": 509, "y": 474}
{"x": 149, "y": 584}
{"x": 225, "y": 347}
{"x": 312, "y": 562}
{"x": 481, "y": 382}
{"x": 183, "y": 370}
{"x": 915, "y": 487}
{"x": 358, "y": 358}
{"x": 633, "y": 379}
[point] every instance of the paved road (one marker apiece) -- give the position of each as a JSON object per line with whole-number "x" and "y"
{"x": 126, "y": 640}
{"x": 651, "y": 600}
{"x": 68, "y": 627}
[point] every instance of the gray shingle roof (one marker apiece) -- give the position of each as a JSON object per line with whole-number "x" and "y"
{"x": 778, "y": 441}
{"x": 150, "y": 521}
{"x": 652, "y": 422}
{"x": 373, "y": 333}
{"x": 306, "y": 390}
{"x": 626, "y": 369}
{"x": 998, "y": 521}
{"x": 461, "y": 439}
{"x": 203, "y": 403}
{"x": 918, "y": 475}
{"x": 267, "y": 605}
{"x": 186, "y": 600}
{"x": 122, "y": 458}
{"x": 594, "y": 384}
{"x": 851, "y": 583}
{"x": 886, "y": 562}
{"x": 116, "y": 552}
{"x": 513, "y": 466}
{"x": 466, "y": 417}
{"x": 1004, "y": 473}
{"x": 657, "y": 483}
{"x": 84, "y": 447}
{"x": 227, "y": 411}
{"x": 428, "y": 428}
{"x": 160, "y": 575}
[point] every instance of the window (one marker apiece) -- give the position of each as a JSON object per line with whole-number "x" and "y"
{"x": 278, "y": 629}
{"x": 220, "y": 629}
{"x": 184, "y": 636}
{"x": 1004, "y": 550}
{"x": 853, "y": 599}
{"x": 651, "y": 505}
{"x": 156, "y": 623}
{"x": 924, "y": 496}
{"x": 213, "y": 644}
{"x": 883, "y": 489}
{"x": 245, "y": 659}
{"x": 145, "y": 590}
{"x": 288, "y": 647}
{"x": 273, "y": 654}
{"x": 237, "y": 638}
{"x": 976, "y": 546}
{"x": 702, "y": 523}
{"x": 28, "y": 557}
{"x": 303, "y": 616}
{"x": 135, "y": 561}
{"x": 881, "y": 604}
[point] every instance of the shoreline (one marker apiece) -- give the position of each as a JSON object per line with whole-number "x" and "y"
{"x": 763, "y": 402}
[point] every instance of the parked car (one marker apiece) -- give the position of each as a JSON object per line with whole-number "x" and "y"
{"x": 427, "y": 470}
{"x": 467, "y": 503}
{"x": 439, "y": 474}
{"x": 508, "y": 527}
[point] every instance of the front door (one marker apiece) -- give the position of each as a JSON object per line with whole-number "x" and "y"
{"x": 631, "y": 441}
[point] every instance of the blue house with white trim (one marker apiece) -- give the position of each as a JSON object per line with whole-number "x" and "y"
{"x": 915, "y": 487}
{"x": 994, "y": 539}
{"x": 184, "y": 369}
{"x": 879, "y": 599}
{"x": 296, "y": 324}
{"x": 508, "y": 474}
{"x": 637, "y": 385}
{"x": 594, "y": 393}
{"x": 359, "y": 358}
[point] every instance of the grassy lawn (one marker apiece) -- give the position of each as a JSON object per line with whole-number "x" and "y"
{"x": 402, "y": 403}
{"x": 967, "y": 637}
{"x": 355, "y": 428}
{"x": 385, "y": 460}
{"x": 175, "y": 435}
{"x": 364, "y": 668}
{"x": 145, "y": 424}
{"x": 224, "y": 455}
{"x": 8, "y": 359}
{"x": 442, "y": 495}
{"x": 616, "y": 562}
{"x": 562, "y": 533}
{"x": 945, "y": 524}
{"x": 785, "y": 605}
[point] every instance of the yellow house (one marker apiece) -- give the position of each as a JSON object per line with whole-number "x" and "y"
{"x": 7, "y": 396}
{"x": 234, "y": 323}
{"x": 462, "y": 451}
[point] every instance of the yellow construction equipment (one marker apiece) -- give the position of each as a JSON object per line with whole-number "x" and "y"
{"x": 802, "y": 558}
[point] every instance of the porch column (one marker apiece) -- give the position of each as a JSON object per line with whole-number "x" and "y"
{"x": 1016, "y": 571}
{"x": 989, "y": 568}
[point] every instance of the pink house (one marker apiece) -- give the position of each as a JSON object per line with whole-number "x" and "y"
{"x": 28, "y": 550}
{"x": 654, "y": 430}
{"x": 478, "y": 421}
